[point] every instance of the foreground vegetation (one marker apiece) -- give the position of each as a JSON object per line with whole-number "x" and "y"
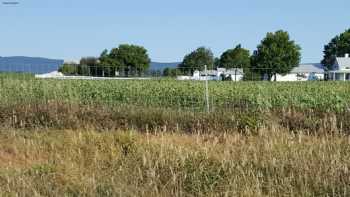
{"x": 154, "y": 138}
{"x": 167, "y": 105}
{"x": 89, "y": 163}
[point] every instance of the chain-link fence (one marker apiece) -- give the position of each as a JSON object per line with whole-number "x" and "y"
{"x": 189, "y": 89}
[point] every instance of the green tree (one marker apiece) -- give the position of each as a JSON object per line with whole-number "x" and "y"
{"x": 197, "y": 60}
{"x": 217, "y": 63}
{"x": 68, "y": 69}
{"x": 108, "y": 65}
{"x": 237, "y": 57}
{"x": 130, "y": 59}
{"x": 89, "y": 66}
{"x": 337, "y": 47}
{"x": 83, "y": 70}
{"x": 171, "y": 72}
{"x": 89, "y": 61}
{"x": 74, "y": 69}
{"x": 276, "y": 54}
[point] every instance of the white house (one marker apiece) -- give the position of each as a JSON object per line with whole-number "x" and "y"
{"x": 215, "y": 75}
{"x": 341, "y": 69}
{"x": 234, "y": 74}
{"x": 304, "y": 72}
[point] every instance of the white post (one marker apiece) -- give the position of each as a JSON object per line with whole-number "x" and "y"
{"x": 206, "y": 88}
{"x": 344, "y": 76}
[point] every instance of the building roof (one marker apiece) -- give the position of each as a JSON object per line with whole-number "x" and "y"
{"x": 233, "y": 71}
{"x": 309, "y": 68}
{"x": 209, "y": 72}
{"x": 343, "y": 62}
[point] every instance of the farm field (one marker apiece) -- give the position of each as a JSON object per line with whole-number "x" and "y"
{"x": 190, "y": 95}
{"x": 155, "y": 138}
{"x": 173, "y": 105}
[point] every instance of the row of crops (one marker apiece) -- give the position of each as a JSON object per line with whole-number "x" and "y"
{"x": 189, "y": 95}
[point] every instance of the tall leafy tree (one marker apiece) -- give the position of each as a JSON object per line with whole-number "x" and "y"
{"x": 237, "y": 57}
{"x": 197, "y": 60}
{"x": 337, "y": 47}
{"x": 68, "y": 69}
{"x": 128, "y": 59}
{"x": 217, "y": 62}
{"x": 108, "y": 65}
{"x": 277, "y": 54}
{"x": 105, "y": 59}
{"x": 89, "y": 61}
{"x": 89, "y": 66}
{"x": 131, "y": 59}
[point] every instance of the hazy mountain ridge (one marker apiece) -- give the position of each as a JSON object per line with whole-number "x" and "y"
{"x": 37, "y": 65}
{"x": 162, "y": 66}
{"x": 40, "y": 65}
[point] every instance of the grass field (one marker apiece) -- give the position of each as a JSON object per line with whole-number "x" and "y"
{"x": 89, "y": 163}
{"x": 155, "y": 138}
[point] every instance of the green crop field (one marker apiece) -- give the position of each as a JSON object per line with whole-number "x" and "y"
{"x": 322, "y": 96}
{"x": 149, "y": 104}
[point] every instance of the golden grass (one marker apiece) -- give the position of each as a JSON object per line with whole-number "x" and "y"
{"x": 128, "y": 163}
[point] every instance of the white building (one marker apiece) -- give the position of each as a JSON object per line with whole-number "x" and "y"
{"x": 215, "y": 75}
{"x": 233, "y": 74}
{"x": 304, "y": 72}
{"x": 341, "y": 69}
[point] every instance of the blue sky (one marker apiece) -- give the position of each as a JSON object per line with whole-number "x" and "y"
{"x": 70, "y": 29}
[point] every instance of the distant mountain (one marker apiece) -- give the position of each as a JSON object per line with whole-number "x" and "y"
{"x": 39, "y": 65}
{"x": 35, "y": 65}
{"x": 162, "y": 66}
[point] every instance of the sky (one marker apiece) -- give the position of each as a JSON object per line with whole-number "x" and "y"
{"x": 68, "y": 29}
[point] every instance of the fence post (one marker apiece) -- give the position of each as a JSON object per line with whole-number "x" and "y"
{"x": 235, "y": 74}
{"x": 206, "y": 88}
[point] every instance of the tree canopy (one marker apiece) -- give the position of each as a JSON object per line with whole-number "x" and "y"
{"x": 197, "y": 60}
{"x": 337, "y": 47}
{"x": 130, "y": 59}
{"x": 89, "y": 61}
{"x": 216, "y": 62}
{"x": 89, "y": 66}
{"x": 107, "y": 61}
{"x": 237, "y": 57}
{"x": 68, "y": 69}
{"x": 171, "y": 72}
{"x": 276, "y": 54}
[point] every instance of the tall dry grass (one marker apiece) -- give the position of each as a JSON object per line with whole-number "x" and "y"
{"x": 273, "y": 162}
{"x": 60, "y": 115}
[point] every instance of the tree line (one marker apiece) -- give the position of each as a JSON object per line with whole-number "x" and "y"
{"x": 276, "y": 54}
{"x": 125, "y": 60}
